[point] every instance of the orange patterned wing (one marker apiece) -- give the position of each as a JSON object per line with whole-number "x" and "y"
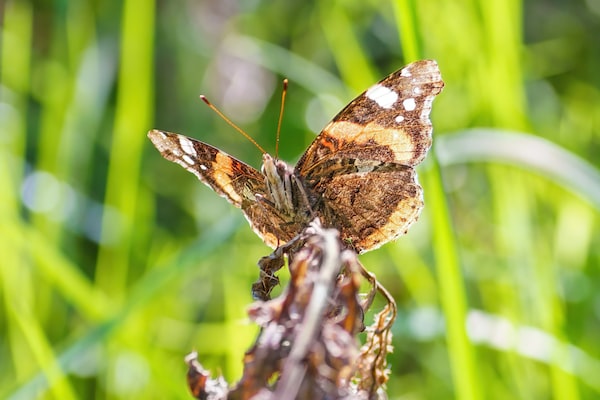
{"x": 241, "y": 184}
{"x": 359, "y": 170}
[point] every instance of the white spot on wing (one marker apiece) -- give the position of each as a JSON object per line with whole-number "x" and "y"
{"x": 409, "y": 104}
{"x": 188, "y": 159}
{"x": 383, "y": 96}
{"x": 406, "y": 72}
{"x": 399, "y": 118}
{"x": 203, "y": 167}
{"x": 187, "y": 146}
{"x": 417, "y": 90}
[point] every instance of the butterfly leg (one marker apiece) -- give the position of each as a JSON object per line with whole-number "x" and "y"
{"x": 378, "y": 287}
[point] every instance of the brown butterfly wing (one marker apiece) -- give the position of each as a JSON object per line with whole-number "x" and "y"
{"x": 359, "y": 170}
{"x": 232, "y": 179}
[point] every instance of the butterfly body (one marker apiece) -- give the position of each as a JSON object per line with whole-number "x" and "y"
{"x": 357, "y": 176}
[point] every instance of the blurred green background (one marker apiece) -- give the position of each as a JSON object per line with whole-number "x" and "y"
{"x": 115, "y": 263}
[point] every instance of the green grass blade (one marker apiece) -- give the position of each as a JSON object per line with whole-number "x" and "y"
{"x": 451, "y": 290}
{"x": 526, "y": 151}
{"x": 132, "y": 120}
{"x": 405, "y": 15}
{"x": 356, "y": 68}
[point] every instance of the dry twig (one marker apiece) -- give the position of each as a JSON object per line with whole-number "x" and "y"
{"x": 307, "y": 347}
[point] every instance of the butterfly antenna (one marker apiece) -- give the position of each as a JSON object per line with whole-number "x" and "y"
{"x": 234, "y": 126}
{"x": 283, "y": 93}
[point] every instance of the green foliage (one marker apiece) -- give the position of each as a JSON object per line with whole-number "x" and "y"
{"x": 115, "y": 263}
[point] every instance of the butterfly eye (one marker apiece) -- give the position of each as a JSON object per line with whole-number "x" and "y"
{"x": 283, "y": 169}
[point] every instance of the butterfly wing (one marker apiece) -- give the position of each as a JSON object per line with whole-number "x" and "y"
{"x": 360, "y": 167}
{"x": 241, "y": 184}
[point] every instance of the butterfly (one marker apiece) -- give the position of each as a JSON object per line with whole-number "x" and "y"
{"x": 357, "y": 176}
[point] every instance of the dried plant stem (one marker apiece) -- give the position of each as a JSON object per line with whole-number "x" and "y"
{"x": 309, "y": 333}
{"x": 295, "y": 368}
